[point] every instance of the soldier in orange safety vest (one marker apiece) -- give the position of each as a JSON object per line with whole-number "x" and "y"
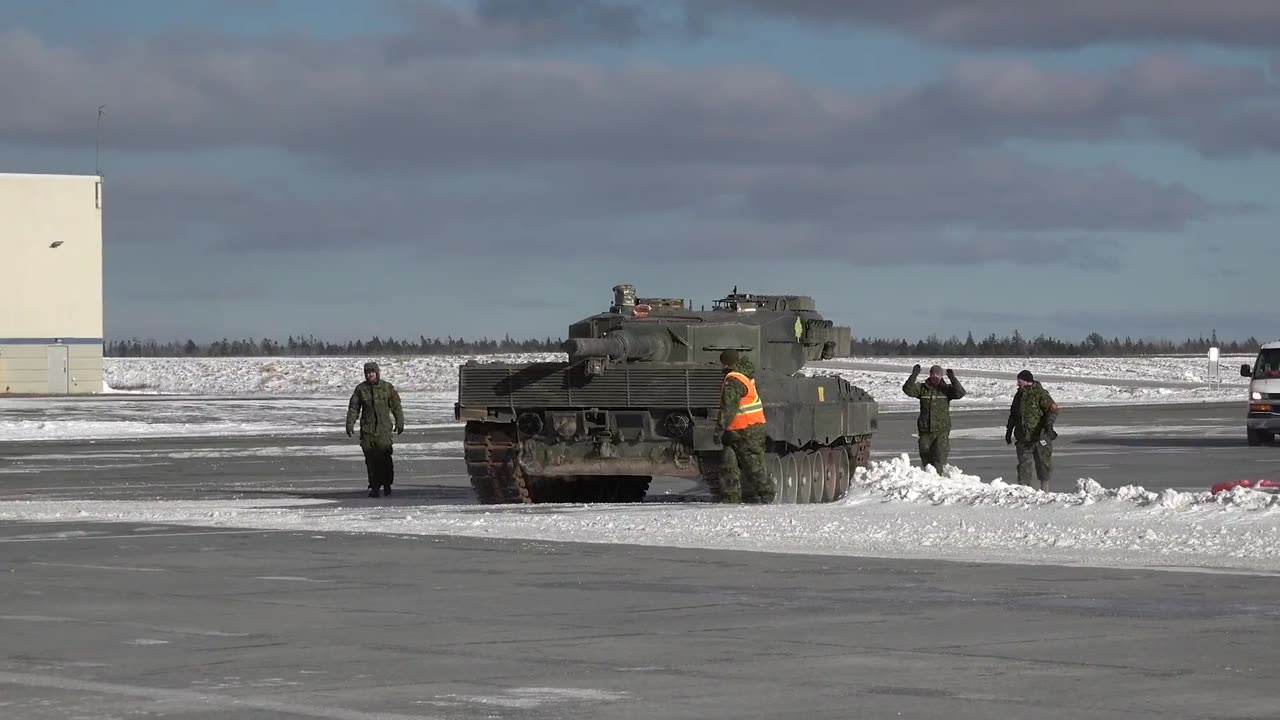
{"x": 742, "y": 423}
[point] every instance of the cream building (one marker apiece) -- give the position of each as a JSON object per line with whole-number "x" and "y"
{"x": 50, "y": 284}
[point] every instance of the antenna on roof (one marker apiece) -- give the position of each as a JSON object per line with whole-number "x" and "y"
{"x": 97, "y": 140}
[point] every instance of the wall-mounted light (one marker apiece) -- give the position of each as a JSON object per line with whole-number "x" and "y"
{"x": 55, "y": 243}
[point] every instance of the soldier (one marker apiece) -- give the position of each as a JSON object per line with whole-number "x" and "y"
{"x": 375, "y": 402}
{"x": 934, "y": 422}
{"x": 1031, "y": 419}
{"x": 742, "y": 424}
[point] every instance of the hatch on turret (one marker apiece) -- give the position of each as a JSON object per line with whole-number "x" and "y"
{"x": 750, "y": 302}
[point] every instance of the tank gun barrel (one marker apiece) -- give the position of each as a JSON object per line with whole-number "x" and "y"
{"x": 620, "y": 345}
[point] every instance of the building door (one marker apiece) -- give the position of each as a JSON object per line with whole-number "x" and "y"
{"x": 58, "y": 374}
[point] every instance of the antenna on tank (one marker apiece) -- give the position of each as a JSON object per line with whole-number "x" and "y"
{"x": 97, "y": 140}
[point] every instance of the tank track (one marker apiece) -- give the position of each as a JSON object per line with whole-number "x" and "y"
{"x": 492, "y": 455}
{"x": 859, "y": 453}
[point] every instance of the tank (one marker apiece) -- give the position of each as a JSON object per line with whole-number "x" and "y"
{"x": 637, "y": 396}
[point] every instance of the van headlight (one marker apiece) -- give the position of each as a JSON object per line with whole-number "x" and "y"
{"x": 1255, "y": 395}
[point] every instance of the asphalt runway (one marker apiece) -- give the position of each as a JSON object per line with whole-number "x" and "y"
{"x": 109, "y": 621}
{"x": 122, "y": 621}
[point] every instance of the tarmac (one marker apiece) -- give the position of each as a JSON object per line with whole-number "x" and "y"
{"x": 140, "y": 621}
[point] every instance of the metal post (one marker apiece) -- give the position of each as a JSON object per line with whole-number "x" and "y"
{"x": 97, "y": 141}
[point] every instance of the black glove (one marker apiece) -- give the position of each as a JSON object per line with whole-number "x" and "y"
{"x": 1053, "y": 434}
{"x": 348, "y": 432}
{"x": 951, "y": 373}
{"x": 399, "y": 429}
{"x": 1008, "y": 436}
{"x": 916, "y": 370}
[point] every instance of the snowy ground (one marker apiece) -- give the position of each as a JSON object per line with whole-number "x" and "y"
{"x": 893, "y": 510}
{"x": 437, "y": 377}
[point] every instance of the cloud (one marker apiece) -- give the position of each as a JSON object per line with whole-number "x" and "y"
{"x": 349, "y": 103}
{"x": 1046, "y": 25}
{"x": 465, "y": 153}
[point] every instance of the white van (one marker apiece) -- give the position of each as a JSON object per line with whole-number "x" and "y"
{"x": 1264, "y": 394}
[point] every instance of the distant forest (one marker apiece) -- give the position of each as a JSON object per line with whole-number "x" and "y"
{"x": 991, "y": 346}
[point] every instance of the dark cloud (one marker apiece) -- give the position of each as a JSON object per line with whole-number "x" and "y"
{"x": 955, "y": 211}
{"x": 439, "y": 27}
{"x": 1030, "y": 24}
{"x": 348, "y": 103}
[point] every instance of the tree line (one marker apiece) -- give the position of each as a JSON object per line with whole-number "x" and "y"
{"x": 311, "y": 347}
{"x": 1014, "y": 345}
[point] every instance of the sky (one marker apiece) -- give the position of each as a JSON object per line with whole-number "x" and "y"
{"x": 493, "y": 167}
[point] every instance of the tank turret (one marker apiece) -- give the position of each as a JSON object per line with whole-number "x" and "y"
{"x": 637, "y": 395}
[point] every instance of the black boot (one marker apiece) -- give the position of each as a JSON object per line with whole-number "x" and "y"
{"x": 374, "y": 492}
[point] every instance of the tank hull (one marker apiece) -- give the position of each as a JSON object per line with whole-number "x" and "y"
{"x": 555, "y": 432}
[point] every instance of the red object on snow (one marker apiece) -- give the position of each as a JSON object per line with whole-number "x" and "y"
{"x": 1266, "y": 485}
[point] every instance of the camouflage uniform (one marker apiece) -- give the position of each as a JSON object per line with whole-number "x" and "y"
{"x": 375, "y": 404}
{"x": 743, "y": 449}
{"x": 934, "y": 421}
{"x": 1031, "y": 419}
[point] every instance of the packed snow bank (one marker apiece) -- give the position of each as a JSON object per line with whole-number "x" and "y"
{"x": 50, "y": 430}
{"x": 436, "y": 378}
{"x": 894, "y": 510}
{"x": 993, "y": 394}
{"x": 1177, "y": 368}
{"x": 190, "y": 416}
{"x": 274, "y": 376}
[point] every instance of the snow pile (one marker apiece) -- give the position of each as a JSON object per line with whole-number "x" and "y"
{"x": 436, "y": 375}
{"x": 898, "y": 479}
{"x": 894, "y": 510}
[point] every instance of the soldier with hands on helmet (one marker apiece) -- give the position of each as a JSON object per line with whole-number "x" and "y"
{"x": 934, "y": 421}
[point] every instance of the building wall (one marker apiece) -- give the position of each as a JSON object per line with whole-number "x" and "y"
{"x": 24, "y": 368}
{"x": 50, "y": 296}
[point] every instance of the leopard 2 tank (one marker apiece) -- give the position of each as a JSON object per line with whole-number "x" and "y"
{"x": 638, "y": 394}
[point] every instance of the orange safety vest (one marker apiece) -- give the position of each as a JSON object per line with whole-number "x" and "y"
{"x": 750, "y": 409}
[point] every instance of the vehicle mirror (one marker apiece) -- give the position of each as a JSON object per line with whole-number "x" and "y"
{"x": 1244, "y": 371}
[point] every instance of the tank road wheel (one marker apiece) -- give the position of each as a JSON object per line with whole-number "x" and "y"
{"x": 804, "y": 476}
{"x": 831, "y": 473}
{"x": 773, "y": 468}
{"x": 818, "y": 476}
{"x": 844, "y": 471}
{"x": 790, "y": 479}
